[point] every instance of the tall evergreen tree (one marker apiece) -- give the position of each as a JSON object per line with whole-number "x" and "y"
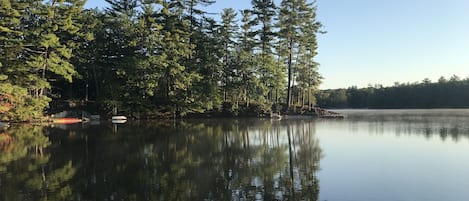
{"x": 85, "y": 59}
{"x": 208, "y": 61}
{"x": 10, "y": 47}
{"x": 122, "y": 8}
{"x": 48, "y": 45}
{"x": 10, "y": 34}
{"x": 247, "y": 79}
{"x": 148, "y": 71}
{"x": 308, "y": 75}
{"x": 288, "y": 22}
{"x": 298, "y": 28}
{"x": 264, "y": 12}
{"x": 194, "y": 13}
{"x": 203, "y": 58}
{"x": 228, "y": 31}
{"x": 178, "y": 79}
{"x": 119, "y": 58}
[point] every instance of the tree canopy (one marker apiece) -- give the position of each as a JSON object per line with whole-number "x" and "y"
{"x": 155, "y": 57}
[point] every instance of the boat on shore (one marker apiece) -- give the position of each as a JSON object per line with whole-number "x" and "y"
{"x": 119, "y": 119}
{"x": 66, "y": 120}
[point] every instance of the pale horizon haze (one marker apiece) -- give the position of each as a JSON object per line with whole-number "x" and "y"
{"x": 383, "y": 42}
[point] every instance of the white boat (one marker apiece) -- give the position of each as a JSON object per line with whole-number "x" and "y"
{"x": 118, "y": 119}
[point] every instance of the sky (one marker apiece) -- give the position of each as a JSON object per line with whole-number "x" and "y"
{"x": 372, "y": 42}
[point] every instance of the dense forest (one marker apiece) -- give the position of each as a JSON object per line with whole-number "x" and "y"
{"x": 148, "y": 56}
{"x": 452, "y": 93}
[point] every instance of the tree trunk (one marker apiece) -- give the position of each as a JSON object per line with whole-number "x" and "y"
{"x": 303, "y": 99}
{"x": 96, "y": 81}
{"x": 290, "y": 54}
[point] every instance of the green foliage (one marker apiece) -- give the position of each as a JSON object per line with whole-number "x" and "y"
{"x": 208, "y": 53}
{"x": 38, "y": 45}
{"x": 178, "y": 78}
{"x": 332, "y": 98}
{"x": 48, "y": 43}
{"x": 264, "y": 12}
{"x": 144, "y": 56}
{"x": 17, "y": 105}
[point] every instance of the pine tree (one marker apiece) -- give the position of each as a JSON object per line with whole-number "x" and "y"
{"x": 203, "y": 59}
{"x": 178, "y": 79}
{"x": 298, "y": 29}
{"x": 208, "y": 61}
{"x": 119, "y": 57}
{"x": 10, "y": 38}
{"x": 265, "y": 12}
{"x": 193, "y": 11}
{"x": 48, "y": 43}
{"x": 86, "y": 58}
{"x": 10, "y": 35}
{"x": 227, "y": 36}
{"x": 247, "y": 79}
{"x": 149, "y": 48}
{"x": 121, "y": 8}
{"x": 288, "y": 23}
{"x": 308, "y": 75}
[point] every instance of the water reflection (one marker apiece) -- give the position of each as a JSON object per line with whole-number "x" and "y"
{"x": 244, "y": 159}
{"x": 28, "y": 171}
{"x": 442, "y": 123}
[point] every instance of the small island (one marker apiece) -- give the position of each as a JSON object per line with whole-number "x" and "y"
{"x": 157, "y": 59}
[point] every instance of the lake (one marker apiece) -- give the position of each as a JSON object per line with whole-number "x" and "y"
{"x": 387, "y": 155}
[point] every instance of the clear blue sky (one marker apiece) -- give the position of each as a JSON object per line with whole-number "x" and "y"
{"x": 382, "y": 41}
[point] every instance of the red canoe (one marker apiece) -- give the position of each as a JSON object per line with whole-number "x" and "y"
{"x": 66, "y": 120}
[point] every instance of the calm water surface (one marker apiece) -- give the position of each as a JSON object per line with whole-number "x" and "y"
{"x": 389, "y": 155}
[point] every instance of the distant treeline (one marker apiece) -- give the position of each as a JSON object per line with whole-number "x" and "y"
{"x": 452, "y": 93}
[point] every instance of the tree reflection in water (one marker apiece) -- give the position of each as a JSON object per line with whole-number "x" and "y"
{"x": 27, "y": 171}
{"x": 244, "y": 159}
{"x": 442, "y": 123}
